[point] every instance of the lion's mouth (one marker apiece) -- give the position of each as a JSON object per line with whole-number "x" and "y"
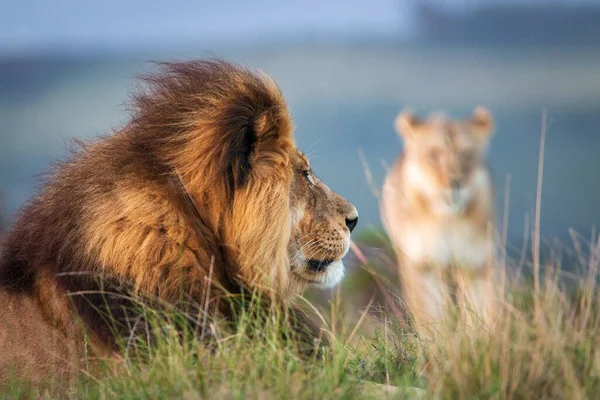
{"x": 318, "y": 265}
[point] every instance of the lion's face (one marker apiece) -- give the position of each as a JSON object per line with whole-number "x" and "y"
{"x": 322, "y": 222}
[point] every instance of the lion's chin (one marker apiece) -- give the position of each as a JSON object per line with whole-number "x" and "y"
{"x": 331, "y": 277}
{"x": 320, "y": 274}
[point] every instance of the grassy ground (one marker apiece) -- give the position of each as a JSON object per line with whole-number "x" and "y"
{"x": 544, "y": 346}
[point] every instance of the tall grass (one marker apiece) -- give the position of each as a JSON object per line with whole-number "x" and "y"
{"x": 553, "y": 355}
{"x": 258, "y": 357}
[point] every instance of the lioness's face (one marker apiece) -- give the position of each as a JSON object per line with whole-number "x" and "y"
{"x": 321, "y": 224}
{"x": 445, "y": 157}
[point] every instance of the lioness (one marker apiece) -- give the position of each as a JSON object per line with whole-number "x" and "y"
{"x": 438, "y": 209}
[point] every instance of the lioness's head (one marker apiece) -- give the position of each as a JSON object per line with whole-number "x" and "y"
{"x": 322, "y": 222}
{"x": 444, "y": 158}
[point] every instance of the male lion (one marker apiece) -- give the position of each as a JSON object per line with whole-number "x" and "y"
{"x": 438, "y": 209}
{"x": 202, "y": 194}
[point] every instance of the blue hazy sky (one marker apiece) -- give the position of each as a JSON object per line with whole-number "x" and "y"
{"x": 34, "y": 25}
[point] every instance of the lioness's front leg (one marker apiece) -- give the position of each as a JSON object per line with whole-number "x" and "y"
{"x": 428, "y": 297}
{"x": 478, "y": 297}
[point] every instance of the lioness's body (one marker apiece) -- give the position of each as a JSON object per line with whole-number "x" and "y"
{"x": 438, "y": 209}
{"x": 203, "y": 193}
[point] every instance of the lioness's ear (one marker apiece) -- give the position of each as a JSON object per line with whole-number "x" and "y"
{"x": 482, "y": 122}
{"x": 406, "y": 122}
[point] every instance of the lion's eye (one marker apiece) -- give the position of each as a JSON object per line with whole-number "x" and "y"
{"x": 308, "y": 177}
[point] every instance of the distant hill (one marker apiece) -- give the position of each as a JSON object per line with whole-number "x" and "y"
{"x": 515, "y": 25}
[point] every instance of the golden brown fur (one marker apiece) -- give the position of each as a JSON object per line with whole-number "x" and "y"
{"x": 204, "y": 180}
{"x": 438, "y": 209}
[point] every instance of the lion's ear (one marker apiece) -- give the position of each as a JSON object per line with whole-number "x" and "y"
{"x": 239, "y": 154}
{"x": 406, "y": 122}
{"x": 261, "y": 142}
{"x": 482, "y": 122}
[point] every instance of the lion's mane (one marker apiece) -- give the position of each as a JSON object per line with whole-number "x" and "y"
{"x": 196, "y": 185}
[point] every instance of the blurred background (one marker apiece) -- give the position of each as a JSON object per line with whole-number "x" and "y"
{"x": 346, "y": 69}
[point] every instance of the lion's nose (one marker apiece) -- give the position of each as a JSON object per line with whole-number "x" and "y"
{"x": 352, "y": 219}
{"x": 351, "y": 223}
